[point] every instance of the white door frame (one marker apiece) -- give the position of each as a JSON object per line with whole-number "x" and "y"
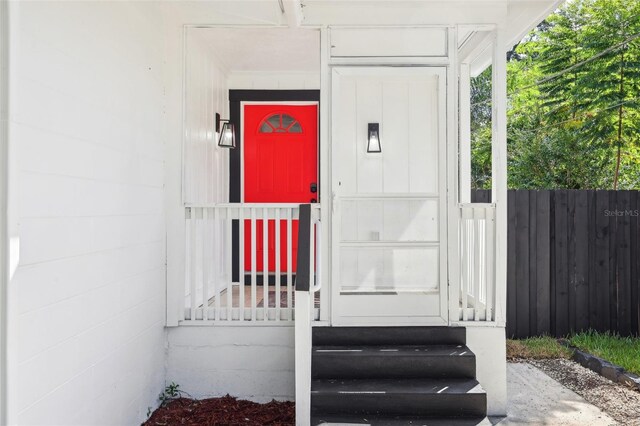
{"x": 296, "y": 103}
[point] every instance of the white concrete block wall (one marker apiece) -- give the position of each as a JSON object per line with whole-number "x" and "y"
{"x": 87, "y": 136}
{"x": 255, "y": 363}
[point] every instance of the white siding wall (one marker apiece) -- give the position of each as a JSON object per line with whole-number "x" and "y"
{"x": 87, "y": 133}
{"x": 206, "y": 166}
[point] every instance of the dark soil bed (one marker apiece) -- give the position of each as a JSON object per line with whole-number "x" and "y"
{"x": 223, "y": 411}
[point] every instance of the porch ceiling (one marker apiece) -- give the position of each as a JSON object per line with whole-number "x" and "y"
{"x": 264, "y": 49}
{"x": 520, "y": 16}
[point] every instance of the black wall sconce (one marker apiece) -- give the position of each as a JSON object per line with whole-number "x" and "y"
{"x": 373, "y": 140}
{"x": 227, "y": 134}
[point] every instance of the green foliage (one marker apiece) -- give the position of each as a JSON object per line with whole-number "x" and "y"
{"x": 574, "y": 102}
{"x": 622, "y": 351}
{"x": 171, "y": 392}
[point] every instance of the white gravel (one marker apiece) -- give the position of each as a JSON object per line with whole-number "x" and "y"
{"x": 618, "y": 401}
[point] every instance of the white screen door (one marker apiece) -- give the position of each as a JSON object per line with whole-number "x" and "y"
{"x": 389, "y": 223}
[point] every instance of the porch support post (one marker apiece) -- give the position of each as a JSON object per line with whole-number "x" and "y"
{"x": 465, "y": 133}
{"x": 326, "y": 198}
{"x": 453, "y": 210}
{"x": 5, "y": 274}
{"x": 499, "y": 168}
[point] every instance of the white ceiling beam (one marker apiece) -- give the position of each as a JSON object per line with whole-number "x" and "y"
{"x": 293, "y": 12}
{"x": 474, "y": 46}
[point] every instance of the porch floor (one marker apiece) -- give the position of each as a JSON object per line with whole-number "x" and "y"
{"x": 260, "y": 297}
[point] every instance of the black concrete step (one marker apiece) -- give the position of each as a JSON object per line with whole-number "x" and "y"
{"x": 392, "y": 361}
{"x": 399, "y": 397}
{"x": 343, "y": 336}
{"x": 376, "y": 420}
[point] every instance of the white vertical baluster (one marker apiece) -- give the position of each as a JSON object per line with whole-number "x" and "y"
{"x": 187, "y": 260}
{"x": 489, "y": 259}
{"x": 217, "y": 239}
{"x": 228, "y": 259}
{"x": 206, "y": 261}
{"x": 476, "y": 264}
{"x": 241, "y": 264}
{"x": 194, "y": 263}
{"x": 277, "y": 260}
{"x": 464, "y": 282}
{"x": 265, "y": 262}
{"x": 253, "y": 264}
{"x": 318, "y": 262}
{"x": 312, "y": 253}
{"x": 289, "y": 264}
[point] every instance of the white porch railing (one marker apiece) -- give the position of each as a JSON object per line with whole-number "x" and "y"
{"x": 237, "y": 270}
{"x": 477, "y": 259}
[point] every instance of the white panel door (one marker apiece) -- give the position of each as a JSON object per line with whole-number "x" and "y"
{"x": 389, "y": 223}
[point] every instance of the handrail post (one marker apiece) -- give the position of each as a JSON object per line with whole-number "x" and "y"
{"x": 303, "y": 312}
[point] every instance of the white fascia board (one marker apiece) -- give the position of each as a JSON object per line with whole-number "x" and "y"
{"x": 523, "y": 16}
{"x": 403, "y": 13}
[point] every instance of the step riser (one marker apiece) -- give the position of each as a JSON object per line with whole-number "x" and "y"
{"x": 344, "y": 336}
{"x": 334, "y": 366}
{"x": 337, "y": 419}
{"x": 401, "y": 405}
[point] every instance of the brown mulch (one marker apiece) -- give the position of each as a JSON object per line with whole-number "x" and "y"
{"x": 223, "y": 411}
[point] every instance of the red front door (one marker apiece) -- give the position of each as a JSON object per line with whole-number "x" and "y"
{"x": 280, "y": 166}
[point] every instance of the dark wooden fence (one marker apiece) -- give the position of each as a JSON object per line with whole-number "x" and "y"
{"x": 572, "y": 261}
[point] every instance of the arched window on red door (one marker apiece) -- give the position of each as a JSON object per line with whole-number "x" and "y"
{"x": 280, "y": 123}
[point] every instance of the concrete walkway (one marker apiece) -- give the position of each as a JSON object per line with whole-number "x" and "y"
{"x": 537, "y": 399}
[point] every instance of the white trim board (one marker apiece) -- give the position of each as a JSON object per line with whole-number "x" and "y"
{"x": 4, "y": 201}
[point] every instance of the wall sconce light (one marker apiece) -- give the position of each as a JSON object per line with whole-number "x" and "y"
{"x": 227, "y": 134}
{"x": 373, "y": 141}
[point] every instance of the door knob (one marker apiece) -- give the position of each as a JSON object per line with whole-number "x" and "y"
{"x": 314, "y": 187}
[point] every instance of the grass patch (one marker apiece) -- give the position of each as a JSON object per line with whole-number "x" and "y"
{"x": 622, "y": 351}
{"x": 536, "y": 348}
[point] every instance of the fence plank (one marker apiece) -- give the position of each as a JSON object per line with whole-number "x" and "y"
{"x": 522, "y": 263}
{"x": 533, "y": 255}
{"x": 481, "y": 196}
{"x": 634, "y": 270}
{"x": 543, "y": 266}
{"x": 623, "y": 257}
{"x": 593, "y": 261}
{"x": 561, "y": 263}
{"x": 511, "y": 264}
{"x": 581, "y": 260}
{"x": 613, "y": 289}
{"x": 571, "y": 259}
{"x": 602, "y": 261}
